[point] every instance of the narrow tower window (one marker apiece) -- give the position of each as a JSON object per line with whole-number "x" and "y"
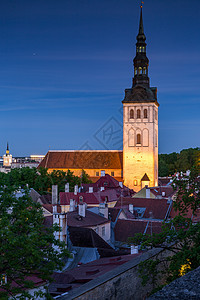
{"x": 131, "y": 134}
{"x": 138, "y": 114}
{"x": 131, "y": 114}
{"x": 138, "y": 138}
{"x": 145, "y": 113}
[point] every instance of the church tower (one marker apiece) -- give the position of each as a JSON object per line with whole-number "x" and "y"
{"x": 140, "y": 123}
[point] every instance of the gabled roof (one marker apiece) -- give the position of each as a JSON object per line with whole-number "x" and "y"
{"x": 91, "y": 219}
{"x": 128, "y": 228}
{"x": 145, "y": 177}
{"x": 90, "y": 198}
{"x": 86, "y": 237}
{"x": 83, "y": 159}
{"x": 155, "y": 208}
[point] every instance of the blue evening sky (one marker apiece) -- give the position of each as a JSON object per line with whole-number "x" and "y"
{"x": 64, "y": 65}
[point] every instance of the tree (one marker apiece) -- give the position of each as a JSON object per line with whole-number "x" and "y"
{"x": 27, "y": 247}
{"x": 180, "y": 236}
{"x": 41, "y": 180}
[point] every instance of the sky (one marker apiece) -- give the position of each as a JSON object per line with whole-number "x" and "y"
{"x": 64, "y": 66}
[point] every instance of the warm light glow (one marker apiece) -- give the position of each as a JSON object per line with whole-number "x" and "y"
{"x": 184, "y": 268}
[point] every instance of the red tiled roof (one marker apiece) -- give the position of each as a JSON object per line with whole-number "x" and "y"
{"x": 86, "y": 272}
{"x": 128, "y": 228}
{"x": 80, "y": 159}
{"x": 168, "y": 190}
{"x": 155, "y": 208}
{"x": 89, "y": 198}
{"x": 90, "y": 219}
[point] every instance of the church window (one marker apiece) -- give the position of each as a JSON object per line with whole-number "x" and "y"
{"x": 131, "y": 139}
{"x": 135, "y": 182}
{"x": 145, "y": 137}
{"x": 131, "y": 114}
{"x": 135, "y": 70}
{"x": 145, "y": 113}
{"x": 138, "y": 114}
{"x": 145, "y": 70}
{"x": 140, "y": 70}
{"x": 139, "y": 138}
{"x": 112, "y": 173}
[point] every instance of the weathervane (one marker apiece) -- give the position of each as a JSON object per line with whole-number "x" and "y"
{"x": 142, "y": 2}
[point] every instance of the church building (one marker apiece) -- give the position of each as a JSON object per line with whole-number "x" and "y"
{"x": 137, "y": 164}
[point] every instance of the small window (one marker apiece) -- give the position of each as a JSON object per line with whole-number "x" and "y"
{"x": 135, "y": 182}
{"x": 138, "y": 138}
{"x": 140, "y": 70}
{"x": 135, "y": 71}
{"x": 97, "y": 173}
{"x": 138, "y": 114}
{"x": 131, "y": 114}
{"x": 112, "y": 173}
{"x": 145, "y": 113}
{"x": 103, "y": 231}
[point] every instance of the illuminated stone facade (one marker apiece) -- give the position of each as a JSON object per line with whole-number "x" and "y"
{"x": 140, "y": 124}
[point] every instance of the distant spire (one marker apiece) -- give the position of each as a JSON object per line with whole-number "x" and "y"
{"x": 141, "y": 27}
{"x": 7, "y": 149}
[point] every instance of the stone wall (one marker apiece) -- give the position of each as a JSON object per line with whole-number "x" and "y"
{"x": 120, "y": 283}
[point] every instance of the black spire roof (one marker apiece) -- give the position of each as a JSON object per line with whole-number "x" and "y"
{"x": 141, "y": 90}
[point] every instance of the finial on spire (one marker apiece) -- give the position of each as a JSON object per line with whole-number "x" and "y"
{"x": 142, "y": 2}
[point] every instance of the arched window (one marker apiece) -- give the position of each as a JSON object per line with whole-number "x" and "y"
{"x": 131, "y": 114}
{"x": 135, "y": 71}
{"x": 138, "y": 114}
{"x": 138, "y": 138}
{"x": 145, "y": 113}
{"x": 140, "y": 70}
{"x": 131, "y": 136}
{"x": 145, "y": 70}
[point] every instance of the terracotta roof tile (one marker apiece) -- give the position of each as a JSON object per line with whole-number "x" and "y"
{"x": 83, "y": 160}
{"x": 128, "y": 228}
{"x": 155, "y": 208}
{"x": 90, "y": 219}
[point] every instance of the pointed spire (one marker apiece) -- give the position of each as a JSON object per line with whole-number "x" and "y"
{"x": 141, "y": 27}
{"x": 7, "y": 147}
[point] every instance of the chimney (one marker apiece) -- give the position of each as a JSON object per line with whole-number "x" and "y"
{"x": 103, "y": 173}
{"x": 103, "y": 210}
{"x": 188, "y": 173}
{"x": 102, "y": 188}
{"x": 81, "y": 209}
{"x": 72, "y": 205}
{"x": 90, "y": 189}
{"x": 67, "y": 187}
{"x": 54, "y": 197}
{"x": 121, "y": 184}
{"x": 134, "y": 249}
{"x": 130, "y": 207}
{"x": 147, "y": 192}
{"x": 75, "y": 189}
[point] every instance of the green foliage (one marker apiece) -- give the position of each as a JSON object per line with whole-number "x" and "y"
{"x": 26, "y": 246}
{"x": 177, "y": 162}
{"x": 180, "y": 237}
{"x": 41, "y": 180}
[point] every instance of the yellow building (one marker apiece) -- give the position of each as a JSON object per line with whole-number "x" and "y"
{"x": 137, "y": 164}
{"x": 7, "y": 158}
